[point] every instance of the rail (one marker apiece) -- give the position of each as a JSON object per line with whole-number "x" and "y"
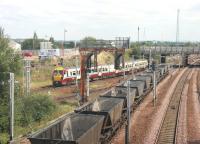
{"x": 167, "y": 130}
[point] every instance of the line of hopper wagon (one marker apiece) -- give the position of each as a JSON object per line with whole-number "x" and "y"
{"x": 97, "y": 121}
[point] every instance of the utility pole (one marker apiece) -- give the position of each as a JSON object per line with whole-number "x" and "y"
{"x": 154, "y": 83}
{"x": 11, "y": 105}
{"x": 76, "y": 51}
{"x": 63, "y": 51}
{"x": 139, "y": 39}
{"x": 150, "y": 58}
{"x": 132, "y": 67}
{"x": 127, "y": 134}
{"x": 177, "y": 28}
{"x": 77, "y": 74}
{"x": 88, "y": 84}
{"x": 124, "y": 73}
{"x": 27, "y": 77}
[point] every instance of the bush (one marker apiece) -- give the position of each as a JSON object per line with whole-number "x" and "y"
{"x": 4, "y": 138}
{"x": 36, "y": 107}
{"x": 4, "y": 102}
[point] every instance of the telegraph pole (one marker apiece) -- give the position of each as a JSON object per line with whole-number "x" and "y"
{"x": 76, "y": 72}
{"x": 11, "y": 105}
{"x": 88, "y": 84}
{"x": 127, "y": 134}
{"x": 27, "y": 77}
{"x": 177, "y": 28}
{"x": 64, "y": 43}
{"x": 124, "y": 73}
{"x": 150, "y": 59}
{"x": 154, "y": 83}
{"x": 132, "y": 67}
{"x": 76, "y": 65}
{"x": 139, "y": 39}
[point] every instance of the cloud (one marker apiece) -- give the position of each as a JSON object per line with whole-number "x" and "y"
{"x": 99, "y": 18}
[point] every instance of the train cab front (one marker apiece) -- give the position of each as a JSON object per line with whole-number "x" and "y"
{"x": 57, "y": 76}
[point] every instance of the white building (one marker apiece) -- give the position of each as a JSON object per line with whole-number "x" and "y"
{"x": 45, "y": 45}
{"x": 14, "y": 45}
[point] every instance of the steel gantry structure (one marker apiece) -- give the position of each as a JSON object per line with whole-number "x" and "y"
{"x": 171, "y": 50}
{"x": 89, "y": 48}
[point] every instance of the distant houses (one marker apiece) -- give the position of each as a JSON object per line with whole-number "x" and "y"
{"x": 14, "y": 45}
{"x": 46, "y": 45}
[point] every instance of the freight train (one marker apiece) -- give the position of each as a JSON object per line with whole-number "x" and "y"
{"x": 63, "y": 76}
{"x": 97, "y": 121}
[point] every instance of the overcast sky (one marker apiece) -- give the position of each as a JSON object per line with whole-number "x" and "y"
{"x": 105, "y": 19}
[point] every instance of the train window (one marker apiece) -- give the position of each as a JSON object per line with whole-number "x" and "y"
{"x": 74, "y": 73}
{"x": 71, "y": 73}
{"x": 58, "y": 72}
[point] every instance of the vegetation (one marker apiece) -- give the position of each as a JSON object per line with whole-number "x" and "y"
{"x": 9, "y": 62}
{"x": 30, "y": 112}
{"x": 35, "y": 108}
{"x": 34, "y": 43}
{"x": 88, "y": 41}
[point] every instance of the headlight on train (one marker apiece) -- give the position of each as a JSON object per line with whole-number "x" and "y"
{"x": 58, "y": 78}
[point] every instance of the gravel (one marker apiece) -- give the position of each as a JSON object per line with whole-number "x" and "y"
{"x": 193, "y": 111}
{"x": 146, "y": 119}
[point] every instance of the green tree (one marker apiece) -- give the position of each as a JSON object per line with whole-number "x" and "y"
{"x": 88, "y": 41}
{"x": 27, "y": 44}
{"x": 135, "y": 50}
{"x": 51, "y": 39}
{"x": 9, "y": 62}
{"x": 32, "y": 43}
{"x": 35, "y": 42}
{"x": 54, "y": 43}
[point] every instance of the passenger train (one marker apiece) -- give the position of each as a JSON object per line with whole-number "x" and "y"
{"x": 63, "y": 76}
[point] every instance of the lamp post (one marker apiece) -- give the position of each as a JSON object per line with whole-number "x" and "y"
{"x": 64, "y": 42}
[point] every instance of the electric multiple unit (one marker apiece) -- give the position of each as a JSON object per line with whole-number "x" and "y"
{"x": 63, "y": 76}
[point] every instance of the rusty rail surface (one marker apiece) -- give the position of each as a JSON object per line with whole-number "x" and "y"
{"x": 167, "y": 130}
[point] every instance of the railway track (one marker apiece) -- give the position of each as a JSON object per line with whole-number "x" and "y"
{"x": 167, "y": 130}
{"x": 198, "y": 83}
